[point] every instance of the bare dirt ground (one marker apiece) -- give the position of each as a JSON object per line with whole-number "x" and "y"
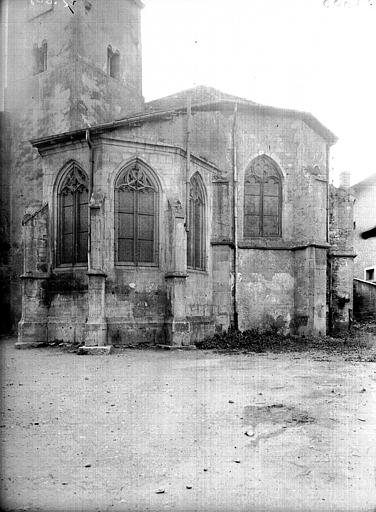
{"x": 186, "y": 431}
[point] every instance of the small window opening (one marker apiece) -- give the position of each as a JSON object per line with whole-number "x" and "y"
{"x": 40, "y": 58}
{"x": 370, "y": 274}
{"x": 113, "y": 62}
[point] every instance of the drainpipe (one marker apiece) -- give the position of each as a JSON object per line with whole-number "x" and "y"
{"x": 235, "y": 216}
{"x": 327, "y": 192}
{"x": 329, "y": 260}
{"x": 91, "y": 183}
{"x": 188, "y": 163}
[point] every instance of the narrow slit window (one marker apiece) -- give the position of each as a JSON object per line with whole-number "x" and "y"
{"x": 40, "y": 58}
{"x": 113, "y": 62}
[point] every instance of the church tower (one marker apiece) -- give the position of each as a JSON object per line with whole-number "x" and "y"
{"x": 68, "y": 65}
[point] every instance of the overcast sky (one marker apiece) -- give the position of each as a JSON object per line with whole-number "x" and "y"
{"x": 312, "y": 55}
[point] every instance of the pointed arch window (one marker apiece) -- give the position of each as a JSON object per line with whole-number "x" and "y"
{"x": 73, "y": 217}
{"x": 136, "y": 198}
{"x": 195, "y": 235}
{"x": 262, "y": 199}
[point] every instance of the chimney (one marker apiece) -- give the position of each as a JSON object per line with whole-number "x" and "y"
{"x": 344, "y": 179}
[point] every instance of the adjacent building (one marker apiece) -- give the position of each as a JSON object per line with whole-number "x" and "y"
{"x": 365, "y": 247}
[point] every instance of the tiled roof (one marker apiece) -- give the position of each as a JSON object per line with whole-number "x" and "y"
{"x": 199, "y": 95}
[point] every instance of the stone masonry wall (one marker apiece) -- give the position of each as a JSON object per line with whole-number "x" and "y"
{"x": 5, "y": 269}
{"x": 266, "y": 289}
{"x": 135, "y": 297}
{"x": 301, "y": 155}
{"x": 341, "y": 259}
{"x": 75, "y": 91}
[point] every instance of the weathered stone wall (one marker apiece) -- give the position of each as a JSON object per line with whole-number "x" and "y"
{"x": 5, "y": 268}
{"x": 136, "y": 298}
{"x": 341, "y": 259}
{"x": 265, "y": 289}
{"x": 75, "y": 91}
{"x": 223, "y": 286}
{"x": 310, "y": 291}
{"x": 36, "y": 239}
{"x": 66, "y": 293}
{"x": 301, "y": 156}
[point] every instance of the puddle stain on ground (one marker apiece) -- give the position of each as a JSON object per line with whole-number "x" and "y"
{"x": 272, "y": 420}
{"x": 275, "y": 414}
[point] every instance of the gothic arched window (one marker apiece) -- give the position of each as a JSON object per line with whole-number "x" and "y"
{"x": 262, "y": 198}
{"x": 195, "y": 235}
{"x": 136, "y": 197}
{"x": 73, "y": 217}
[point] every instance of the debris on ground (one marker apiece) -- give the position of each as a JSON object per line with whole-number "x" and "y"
{"x": 358, "y": 344}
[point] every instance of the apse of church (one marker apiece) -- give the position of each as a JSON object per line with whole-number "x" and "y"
{"x": 198, "y": 212}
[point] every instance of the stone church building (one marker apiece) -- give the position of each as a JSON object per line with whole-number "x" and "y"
{"x": 160, "y": 222}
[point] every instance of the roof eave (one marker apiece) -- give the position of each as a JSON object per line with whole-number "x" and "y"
{"x": 140, "y": 4}
{"x": 308, "y": 118}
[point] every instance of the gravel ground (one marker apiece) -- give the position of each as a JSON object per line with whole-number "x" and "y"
{"x": 186, "y": 431}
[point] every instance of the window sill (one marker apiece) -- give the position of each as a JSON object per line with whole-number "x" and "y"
{"x": 197, "y": 271}
{"x": 63, "y": 268}
{"x": 133, "y": 266}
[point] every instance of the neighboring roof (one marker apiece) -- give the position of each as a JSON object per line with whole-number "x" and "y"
{"x": 203, "y": 97}
{"x": 371, "y": 180}
{"x": 139, "y": 3}
{"x": 369, "y": 234}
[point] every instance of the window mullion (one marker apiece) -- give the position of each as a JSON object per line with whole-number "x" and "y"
{"x": 60, "y": 220}
{"x": 193, "y": 235}
{"x": 262, "y": 208}
{"x": 279, "y": 207}
{"x": 135, "y": 226}
{"x": 201, "y": 238}
{"x": 75, "y": 228}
